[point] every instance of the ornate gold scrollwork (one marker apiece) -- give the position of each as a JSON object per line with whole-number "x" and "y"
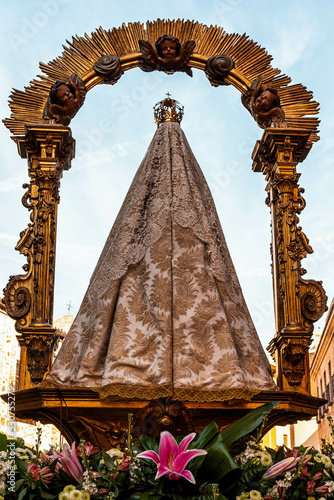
{"x": 313, "y": 299}
{"x": 29, "y": 298}
{"x": 109, "y": 67}
{"x": 293, "y": 360}
{"x": 38, "y": 355}
{"x": 217, "y": 69}
{"x": 298, "y": 302}
{"x": 17, "y": 299}
{"x": 164, "y": 414}
{"x": 299, "y": 248}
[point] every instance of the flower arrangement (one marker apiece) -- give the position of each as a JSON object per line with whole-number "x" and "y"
{"x": 226, "y": 465}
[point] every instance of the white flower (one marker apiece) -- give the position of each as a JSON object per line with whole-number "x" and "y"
{"x": 63, "y": 496}
{"x": 326, "y": 461}
{"x": 75, "y": 495}
{"x": 255, "y": 494}
{"x": 90, "y": 488}
{"x": 69, "y": 488}
{"x": 266, "y": 459}
{"x": 23, "y": 450}
{"x": 330, "y": 485}
{"x": 4, "y": 467}
{"x": 115, "y": 453}
{"x": 88, "y": 485}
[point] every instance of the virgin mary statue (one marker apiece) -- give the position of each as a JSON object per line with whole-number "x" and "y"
{"x": 164, "y": 314}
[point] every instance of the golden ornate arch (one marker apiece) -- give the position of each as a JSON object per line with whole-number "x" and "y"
{"x": 80, "y": 55}
{"x": 49, "y": 148}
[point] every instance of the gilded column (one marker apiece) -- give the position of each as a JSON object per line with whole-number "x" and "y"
{"x": 29, "y": 297}
{"x": 298, "y": 302}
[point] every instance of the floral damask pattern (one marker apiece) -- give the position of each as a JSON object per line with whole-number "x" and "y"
{"x": 164, "y": 313}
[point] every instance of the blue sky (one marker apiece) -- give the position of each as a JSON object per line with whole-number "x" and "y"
{"x": 299, "y": 36}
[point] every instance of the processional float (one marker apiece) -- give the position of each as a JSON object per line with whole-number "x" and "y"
{"x": 39, "y": 123}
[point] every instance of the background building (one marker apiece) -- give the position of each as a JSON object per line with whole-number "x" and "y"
{"x": 322, "y": 375}
{"x": 9, "y": 359}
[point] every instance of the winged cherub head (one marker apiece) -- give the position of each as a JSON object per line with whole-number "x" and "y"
{"x": 62, "y": 93}
{"x": 268, "y": 99}
{"x": 168, "y": 46}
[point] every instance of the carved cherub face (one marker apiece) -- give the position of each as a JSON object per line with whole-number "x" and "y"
{"x": 265, "y": 101}
{"x": 168, "y": 49}
{"x": 64, "y": 95}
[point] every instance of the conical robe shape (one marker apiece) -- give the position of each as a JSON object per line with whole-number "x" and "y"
{"x": 164, "y": 313}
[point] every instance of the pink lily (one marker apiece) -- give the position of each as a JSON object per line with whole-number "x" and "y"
{"x": 125, "y": 464}
{"x": 310, "y": 487}
{"x": 89, "y": 450}
{"x": 292, "y": 453}
{"x": 287, "y": 465}
{"x": 173, "y": 458}
{"x": 44, "y": 474}
{"x": 33, "y": 469}
{"x": 70, "y": 462}
{"x": 322, "y": 489}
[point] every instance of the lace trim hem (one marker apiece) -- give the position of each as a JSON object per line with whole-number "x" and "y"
{"x": 119, "y": 391}
{"x": 180, "y": 394}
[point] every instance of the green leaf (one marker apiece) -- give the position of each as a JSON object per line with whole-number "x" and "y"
{"x": 205, "y": 437}
{"x": 149, "y": 443}
{"x": 66, "y": 478}
{"x": 271, "y": 452}
{"x": 218, "y": 462}
{"x": 3, "y": 442}
{"x": 218, "y": 466}
{"x": 280, "y": 454}
{"x": 135, "y": 496}
{"x": 202, "y": 441}
{"x": 149, "y": 495}
{"x": 22, "y": 467}
{"x": 108, "y": 461}
{"x": 247, "y": 423}
{"x": 251, "y": 470}
{"x": 52, "y": 466}
{"x": 44, "y": 494}
{"x": 230, "y": 481}
{"x": 22, "y": 494}
{"x": 19, "y": 483}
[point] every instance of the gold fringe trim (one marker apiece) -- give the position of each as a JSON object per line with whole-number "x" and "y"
{"x": 120, "y": 391}
{"x": 81, "y": 54}
{"x": 180, "y": 394}
{"x": 184, "y": 394}
{"x": 135, "y": 392}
